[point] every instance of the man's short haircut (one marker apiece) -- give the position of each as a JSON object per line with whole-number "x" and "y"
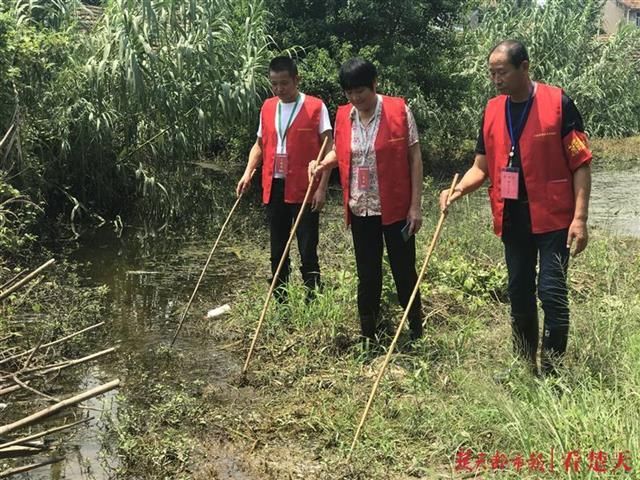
{"x": 356, "y": 73}
{"x": 284, "y": 64}
{"x": 516, "y": 51}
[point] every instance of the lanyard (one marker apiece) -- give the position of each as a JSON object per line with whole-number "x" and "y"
{"x": 514, "y": 135}
{"x": 282, "y": 135}
{"x": 363, "y": 131}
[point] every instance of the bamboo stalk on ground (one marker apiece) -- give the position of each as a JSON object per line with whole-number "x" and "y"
{"x": 204, "y": 269}
{"x": 284, "y": 255}
{"x": 41, "y": 414}
{"x": 432, "y": 246}
{"x": 26, "y": 279}
{"x": 10, "y": 389}
{"x": 41, "y": 370}
{"x": 26, "y": 468}
{"x": 51, "y": 344}
{"x": 12, "y": 279}
{"x": 19, "y": 441}
{"x": 20, "y": 451}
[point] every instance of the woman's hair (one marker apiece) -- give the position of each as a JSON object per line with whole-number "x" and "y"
{"x": 357, "y": 72}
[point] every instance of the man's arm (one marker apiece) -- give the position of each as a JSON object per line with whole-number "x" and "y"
{"x": 582, "y": 191}
{"x": 320, "y": 195}
{"x": 414, "y": 217}
{"x": 255, "y": 158}
{"x": 472, "y": 180}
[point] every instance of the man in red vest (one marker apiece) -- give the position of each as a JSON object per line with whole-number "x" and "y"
{"x": 533, "y": 149}
{"x": 378, "y": 155}
{"x": 292, "y": 128}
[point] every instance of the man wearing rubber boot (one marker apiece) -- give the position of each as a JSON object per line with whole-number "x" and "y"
{"x": 533, "y": 149}
{"x": 292, "y": 128}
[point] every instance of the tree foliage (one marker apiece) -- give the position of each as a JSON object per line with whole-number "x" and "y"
{"x": 601, "y": 73}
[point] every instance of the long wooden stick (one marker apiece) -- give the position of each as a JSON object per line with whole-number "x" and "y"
{"x": 26, "y": 468}
{"x": 434, "y": 240}
{"x": 50, "y": 344}
{"x": 94, "y": 392}
{"x": 20, "y": 283}
{"x": 204, "y": 269}
{"x": 282, "y": 259}
{"x": 35, "y": 436}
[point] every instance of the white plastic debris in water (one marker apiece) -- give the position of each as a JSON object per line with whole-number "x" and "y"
{"x": 216, "y": 312}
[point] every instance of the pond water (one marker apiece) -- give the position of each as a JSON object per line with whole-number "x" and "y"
{"x": 615, "y": 201}
{"x": 149, "y": 280}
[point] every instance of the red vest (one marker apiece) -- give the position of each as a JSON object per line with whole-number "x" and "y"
{"x": 303, "y": 145}
{"x": 548, "y": 173}
{"x": 392, "y": 158}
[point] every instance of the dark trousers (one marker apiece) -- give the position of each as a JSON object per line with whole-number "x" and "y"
{"x": 368, "y": 234}
{"x": 281, "y": 217}
{"x": 522, "y": 251}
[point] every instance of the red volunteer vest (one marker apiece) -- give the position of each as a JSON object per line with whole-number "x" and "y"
{"x": 548, "y": 173}
{"x": 392, "y": 158}
{"x": 303, "y": 145}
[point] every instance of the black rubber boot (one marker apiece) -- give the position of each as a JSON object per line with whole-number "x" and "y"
{"x": 415, "y": 327}
{"x": 312, "y": 285}
{"x": 525, "y": 336}
{"x": 280, "y": 291}
{"x": 554, "y": 345}
{"x": 368, "y": 327}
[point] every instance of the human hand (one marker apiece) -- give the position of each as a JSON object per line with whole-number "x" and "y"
{"x": 577, "y": 233}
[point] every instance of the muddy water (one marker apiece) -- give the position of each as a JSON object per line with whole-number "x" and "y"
{"x": 615, "y": 201}
{"x": 146, "y": 278}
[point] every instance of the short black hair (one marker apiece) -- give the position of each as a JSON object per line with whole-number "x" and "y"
{"x": 284, "y": 64}
{"x": 357, "y": 72}
{"x": 516, "y": 51}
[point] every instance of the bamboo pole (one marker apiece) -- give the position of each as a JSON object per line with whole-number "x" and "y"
{"x": 35, "y": 436}
{"x": 284, "y": 255}
{"x": 434, "y": 240}
{"x": 41, "y": 370}
{"x": 20, "y": 451}
{"x": 26, "y": 468}
{"x": 51, "y": 344}
{"x": 13, "y": 279}
{"x": 10, "y": 389}
{"x": 94, "y": 392}
{"x": 26, "y": 279}
{"x": 204, "y": 269}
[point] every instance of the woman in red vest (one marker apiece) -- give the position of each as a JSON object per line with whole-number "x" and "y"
{"x": 378, "y": 155}
{"x": 292, "y": 128}
{"x": 533, "y": 149}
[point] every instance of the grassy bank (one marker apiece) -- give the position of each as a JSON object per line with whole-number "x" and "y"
{"x": 295, "y": 415}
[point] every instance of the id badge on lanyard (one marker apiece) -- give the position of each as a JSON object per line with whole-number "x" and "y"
{"x": 280, "y": 165}
{"x": 364, "y": 179}
{"x": 509, "y": 182}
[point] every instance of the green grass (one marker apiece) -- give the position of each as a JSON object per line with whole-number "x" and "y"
{"x": 309, "y": 380}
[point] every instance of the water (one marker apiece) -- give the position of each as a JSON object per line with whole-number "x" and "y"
{"x": 149, "y": 280}
{"x": 615, "y": 201}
